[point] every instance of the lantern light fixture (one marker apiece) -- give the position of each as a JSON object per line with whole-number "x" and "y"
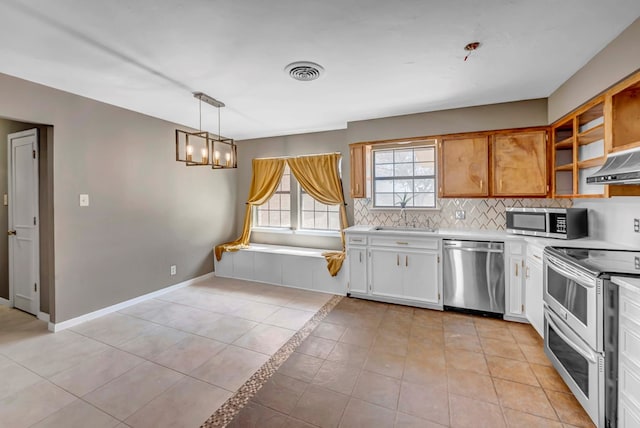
{"x": 203, "y": 148}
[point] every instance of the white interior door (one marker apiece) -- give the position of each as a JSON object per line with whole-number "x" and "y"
{"x": 24, "y": 257}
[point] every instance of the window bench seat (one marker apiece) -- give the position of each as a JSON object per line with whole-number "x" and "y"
{"x": 296, "y": 267}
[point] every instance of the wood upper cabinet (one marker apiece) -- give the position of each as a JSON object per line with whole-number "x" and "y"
{"x": 520, "y": 164}
{"x": 464, "y": 167}
{"x": 357, "y": 173}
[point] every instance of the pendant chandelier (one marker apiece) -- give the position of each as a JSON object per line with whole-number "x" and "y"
{"x": 202, "y": 148}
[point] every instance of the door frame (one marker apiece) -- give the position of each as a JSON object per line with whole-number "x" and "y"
{"x": 36, "y": 235}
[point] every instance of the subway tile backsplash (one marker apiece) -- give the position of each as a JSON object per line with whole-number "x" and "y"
{"x": 486, "y": 214}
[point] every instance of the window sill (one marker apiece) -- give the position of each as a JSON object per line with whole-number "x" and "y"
{"x": 303, "y": 232}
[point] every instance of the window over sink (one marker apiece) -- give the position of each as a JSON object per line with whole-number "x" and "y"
{"x": 404, "y": 177}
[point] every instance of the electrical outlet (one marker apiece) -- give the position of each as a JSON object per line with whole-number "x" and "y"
{"x": 637, "y": 262}
{"x": 636, "y": 225}
{"x": 460, "y": 215}
{"x": 173, "y": 270}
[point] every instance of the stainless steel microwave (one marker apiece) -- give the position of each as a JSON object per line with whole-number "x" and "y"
{"x": 563, "y": 223}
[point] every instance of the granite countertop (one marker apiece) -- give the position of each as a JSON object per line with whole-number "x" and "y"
{"x": 632, "y": 284}
{"x": 498, "y": 235}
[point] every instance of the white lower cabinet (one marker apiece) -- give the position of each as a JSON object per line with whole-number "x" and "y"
{"x": 420, "y": 277}
{"x": 629, "y": 359}
{"x": 533, "y": 278}
{"x": 399, "y": 270}
{"x": 514, "y": 280}
{"x": 357, "y": 261}
{"x": 386, "y": 273}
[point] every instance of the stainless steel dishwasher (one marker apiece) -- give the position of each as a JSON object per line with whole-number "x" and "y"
{"x": 474, "y": 276}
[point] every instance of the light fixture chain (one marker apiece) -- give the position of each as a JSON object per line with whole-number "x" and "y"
{"x": 200, "y": 107}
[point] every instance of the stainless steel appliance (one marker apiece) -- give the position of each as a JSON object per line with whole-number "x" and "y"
{"x": 563, "y": 223}
{"x": 474, "y": 276}
{"x": 620, "y": 168}
{"x": 581, "y": 323}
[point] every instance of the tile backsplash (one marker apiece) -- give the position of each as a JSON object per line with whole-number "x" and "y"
{"x": 486, "y": 214}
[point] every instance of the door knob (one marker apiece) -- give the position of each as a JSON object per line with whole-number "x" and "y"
{"x": 11, "y": 232}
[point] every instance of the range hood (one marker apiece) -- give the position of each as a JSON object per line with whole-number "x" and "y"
{"x": 620, "y": 168}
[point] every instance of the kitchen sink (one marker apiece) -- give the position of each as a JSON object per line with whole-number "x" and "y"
{"x": 405, "y": 229}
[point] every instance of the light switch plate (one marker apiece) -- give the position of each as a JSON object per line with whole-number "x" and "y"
{"x": 5, "y": 199}
{"x": 460, "y": 214}
{"x": 173, "y": 270}
{"x": 84, "y": 200}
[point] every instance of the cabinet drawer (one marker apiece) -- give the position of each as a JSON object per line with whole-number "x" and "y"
{"x": 405, "y": 242}
{"x": 534, "y": 252}
{"x": 629, "y": 305}
{"x": 357, "y": 239}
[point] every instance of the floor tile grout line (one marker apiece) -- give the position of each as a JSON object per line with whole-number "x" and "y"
{"x": 241, "y": 397}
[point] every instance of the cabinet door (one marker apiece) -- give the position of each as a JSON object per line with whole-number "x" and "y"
{"x": 357, "y": 270}
{"x": 533, "y": 295}
{"x": 464, "y": 167}
{"x": 520, "y": 164}
{"x": 421, "y": 280}
{"x": 386, "y": 273}
{"x": 357, "y": 174}
{"x": 515, "y": 303}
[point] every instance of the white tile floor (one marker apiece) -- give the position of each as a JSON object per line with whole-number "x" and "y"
{"x": 167, "y": 362}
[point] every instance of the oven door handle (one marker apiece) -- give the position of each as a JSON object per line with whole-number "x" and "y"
{"x": 569, "y": 272}
{"x": 587, "y": 354}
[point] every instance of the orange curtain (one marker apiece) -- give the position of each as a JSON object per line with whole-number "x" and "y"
{"x": 319, "y": 176}
{"x": 267, "y": 174}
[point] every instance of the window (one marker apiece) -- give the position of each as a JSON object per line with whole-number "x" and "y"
{"x": 404, "y": 177}
{"x": 277, "y": 212}
{"x": 316, "y": 215}
{"x": 291, "y": 205}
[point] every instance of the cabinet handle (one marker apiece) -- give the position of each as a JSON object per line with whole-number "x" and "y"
{"x": 516, "y": 269}
{"x": 360, "y": 256}
{"x": 501, "y": 184}
{"x": 402, "y": 243}
{"x": 406, "y": 261}
{"x": 357, "y": 187}
{"x": 481, "y": 184}
{"x": 398, "y": 259}
{"x": 537, "y": 257}
{"x": 356, "y": 240}
{"x": 526, "y": 274}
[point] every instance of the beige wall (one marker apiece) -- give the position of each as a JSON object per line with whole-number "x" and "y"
{"x": 496, "y": 116}
{"x": 146, "y": 211}
{"x": 616, "y": 61}
{"x": 517, "y": 114}
{"x": 291, "y": 145}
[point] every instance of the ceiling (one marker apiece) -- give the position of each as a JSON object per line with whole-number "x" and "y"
{"x": 382, "y": 58}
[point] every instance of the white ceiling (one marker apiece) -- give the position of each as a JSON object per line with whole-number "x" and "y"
{"x": 382, "y": 57}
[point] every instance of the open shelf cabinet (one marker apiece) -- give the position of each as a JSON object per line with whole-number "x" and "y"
{"x": 583, "y": 139}
{"x": 579, "y": 150}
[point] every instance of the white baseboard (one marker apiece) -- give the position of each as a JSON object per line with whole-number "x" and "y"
{"x": 5, "y": 302}
{"x": 59, "y": 326}
{"x": 42, "y": 316}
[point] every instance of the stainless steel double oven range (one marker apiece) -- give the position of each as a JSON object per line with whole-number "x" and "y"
{"x": 581, "y": 323}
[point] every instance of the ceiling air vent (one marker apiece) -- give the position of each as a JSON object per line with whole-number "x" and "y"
{"x": 304, "y": 71}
